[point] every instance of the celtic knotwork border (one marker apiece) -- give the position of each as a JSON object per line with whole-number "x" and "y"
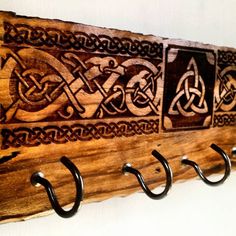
{"x": 24, "y": 136}
{"x": 52, "y": 37}
{"x": 221, "y": 120}
{"x": 226, "y": 57}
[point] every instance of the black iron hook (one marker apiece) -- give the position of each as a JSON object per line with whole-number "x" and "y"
{"x": 200, "y": 173}
{"x": 37, "y": 178}
{"x": 169, "y": 177}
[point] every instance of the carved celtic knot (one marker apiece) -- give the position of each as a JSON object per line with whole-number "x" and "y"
{"x": 54, "y": 134}
{"x": 34, "y": 87}
{"x": 225, "y": 91}
{"x": 190, "y": 93}
{"x": 70, "y": 87}
{"x": 52, "y": 37}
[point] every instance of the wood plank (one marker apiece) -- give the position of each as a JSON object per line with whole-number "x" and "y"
{"x": 104, "y": 98}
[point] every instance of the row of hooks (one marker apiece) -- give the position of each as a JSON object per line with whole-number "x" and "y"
{"x": 38, "y": 179}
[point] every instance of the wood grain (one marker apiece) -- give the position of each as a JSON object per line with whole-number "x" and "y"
{"x": 104, "y": 98}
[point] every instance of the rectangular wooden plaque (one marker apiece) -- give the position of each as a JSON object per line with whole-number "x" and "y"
{"x": 103, "y": 98}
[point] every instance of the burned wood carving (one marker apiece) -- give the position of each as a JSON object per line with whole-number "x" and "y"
{"x": 105, "y": 98}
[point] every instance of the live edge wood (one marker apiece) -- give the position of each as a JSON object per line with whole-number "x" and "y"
{"x": 103, "y": 98}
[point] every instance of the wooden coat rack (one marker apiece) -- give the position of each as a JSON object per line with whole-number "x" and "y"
{"x": 104, "y": 98}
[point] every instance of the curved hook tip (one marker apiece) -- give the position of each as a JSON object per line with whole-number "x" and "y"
{"x": 200, "y": 173}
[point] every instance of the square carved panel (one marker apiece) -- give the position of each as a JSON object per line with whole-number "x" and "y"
{"x": 188, "y": 88}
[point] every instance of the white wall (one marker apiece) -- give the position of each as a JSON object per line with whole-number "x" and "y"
{"x": 191, "y": 208}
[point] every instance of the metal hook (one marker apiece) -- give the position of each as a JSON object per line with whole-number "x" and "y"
{"x": 200, "y": 173}
{"x": 37, "y": 178}
{"x": 169, "y": 177}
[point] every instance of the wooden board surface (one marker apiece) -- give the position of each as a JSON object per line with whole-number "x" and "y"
{"x": 103, "y": 98}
